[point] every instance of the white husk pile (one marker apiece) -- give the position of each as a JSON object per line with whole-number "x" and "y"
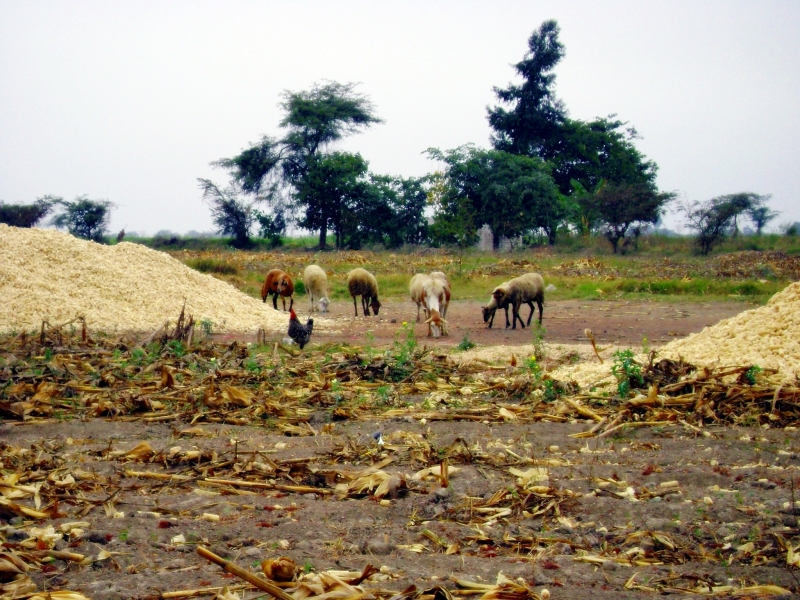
{"x": 47, "y": 274}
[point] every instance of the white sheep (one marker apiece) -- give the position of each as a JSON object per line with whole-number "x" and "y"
{"x": 429, "y": 292}
{"x": 362, "y": 283}
{"x": 415, "y": 288}
{"x": 528, "y": 288}
{"x": 316, "y": 283}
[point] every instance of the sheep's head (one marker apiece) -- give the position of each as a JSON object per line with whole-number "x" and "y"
{"x": 488, "y": 313}
{"x": 437, "y": 324}
{"x": 375, "y": 305}
{"x": 323, "y": 304}
{"x": 500, "y": 295}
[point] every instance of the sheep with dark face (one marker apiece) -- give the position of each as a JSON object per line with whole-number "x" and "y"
{"x": 361, "y": 282}
{"x": 278, "y": 283}
{"x": 525, "y": 289}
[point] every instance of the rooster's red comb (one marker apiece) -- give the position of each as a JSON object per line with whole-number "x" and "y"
{"x": 292, "y": 314}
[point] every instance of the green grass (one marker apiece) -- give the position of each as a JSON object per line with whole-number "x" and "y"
{"x": 210, "y": 265}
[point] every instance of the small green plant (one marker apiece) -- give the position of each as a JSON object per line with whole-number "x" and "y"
{"x": 207, "y": 326}
{"x": 534, "y": 367}
{"x": 48, "y": 354}
{"x": 645, "y": 345}
{"x": 123, "y": 535}
{"x": 137, "y": 354}
{"x": 308, "y": 567}
{"x": 404, "y": 345}
{"x": 627, "y": 371}
{"x": 177, "y": 348}
{"x": 466, "y": 343}
{"x": 538, "y": 341}
{"x": 750, "y": 374}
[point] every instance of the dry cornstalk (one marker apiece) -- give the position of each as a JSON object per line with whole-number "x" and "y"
{"x": 246, "y": 575}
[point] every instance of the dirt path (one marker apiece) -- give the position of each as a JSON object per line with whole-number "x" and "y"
{"x": 618, "y": 323}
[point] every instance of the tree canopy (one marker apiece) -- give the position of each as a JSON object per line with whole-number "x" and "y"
{"x": 535, "y": 123}
{"x": 512, "y": 194}
{"x": 83, "y": 218}
{"x": 290, "y": 170}
{"x": 714, "y": 219}
{"x": 627, "y": 208}
{"x": 26, "y": 215}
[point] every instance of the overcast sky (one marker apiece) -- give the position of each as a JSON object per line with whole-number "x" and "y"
{"x": 131, "y": 101}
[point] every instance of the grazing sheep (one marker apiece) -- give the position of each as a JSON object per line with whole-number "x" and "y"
{"x": 415, "y": 288}
{"x": 527, "y": 289}
{"x": 433, "y": 297}
{"x": 362, "y": 283}
{"x": 316, "y": 282}
{"x": 446, "y": 283}
{"x": 278, "y": 283}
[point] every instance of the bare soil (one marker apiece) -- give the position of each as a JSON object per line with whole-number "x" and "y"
{"x": 617, "y": 323}
{"x": 733, "y": 488}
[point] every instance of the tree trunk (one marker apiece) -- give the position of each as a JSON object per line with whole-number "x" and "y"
{"x": 323, "y": 236}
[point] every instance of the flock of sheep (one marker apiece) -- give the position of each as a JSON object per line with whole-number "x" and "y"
{"x": 430, "y": 292}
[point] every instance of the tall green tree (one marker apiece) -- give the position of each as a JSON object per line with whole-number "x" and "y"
{"x": 512, "y": 194}
{"x": 627, "y": 208}
{"x": 83, "y": 218}
{"x": 332, "y": 191}
{"x": 534, "y": 114}
{"x": 277, "y": 169}
{"x": 531, "y": 121}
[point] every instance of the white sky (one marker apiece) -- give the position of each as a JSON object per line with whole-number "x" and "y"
{"x": 130, "y": 101}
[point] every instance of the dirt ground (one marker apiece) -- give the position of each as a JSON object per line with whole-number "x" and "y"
{"x": 651, "y": 510}
{"x": 616, "y": 323}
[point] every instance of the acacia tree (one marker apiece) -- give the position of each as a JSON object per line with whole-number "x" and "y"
{"x": 231, "y": 214}
{"x": 626, "y": 208}
{"x": 26, "y": 215}
{"x": 716, "y": 218}
{"x": 83, "y": 218}
{"x": 760, "y": 214}
{"x": 277, "y": 169}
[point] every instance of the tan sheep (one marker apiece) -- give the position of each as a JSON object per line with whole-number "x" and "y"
{"x": 362, "y": 283}
{"x": 316, "y": 283}
{"x": 527, "y": 289}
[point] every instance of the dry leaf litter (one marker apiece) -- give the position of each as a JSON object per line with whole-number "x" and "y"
{"x": 50, "y": 275}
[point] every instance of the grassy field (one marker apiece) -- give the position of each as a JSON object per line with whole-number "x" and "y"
{"x": 663, "y": 269}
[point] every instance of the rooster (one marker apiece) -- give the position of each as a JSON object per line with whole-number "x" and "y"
{"x": 298, "y": 332}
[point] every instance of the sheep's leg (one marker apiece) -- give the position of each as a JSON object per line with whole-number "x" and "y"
{"x": 365, "y": 305}
{"x": 311, "y": 301}
{"x": 530, "y": 316}
{"x": 355, "y": 306}
{"x": 541, "y": 310}
{"x": 515, "y": 312}
{"x": 417, "y": 312}
{"x": 291, "y": 302}
{"x": 508, "y": 323}
{"x": 275, "y": 301}
{"x": 491, "y": 319}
